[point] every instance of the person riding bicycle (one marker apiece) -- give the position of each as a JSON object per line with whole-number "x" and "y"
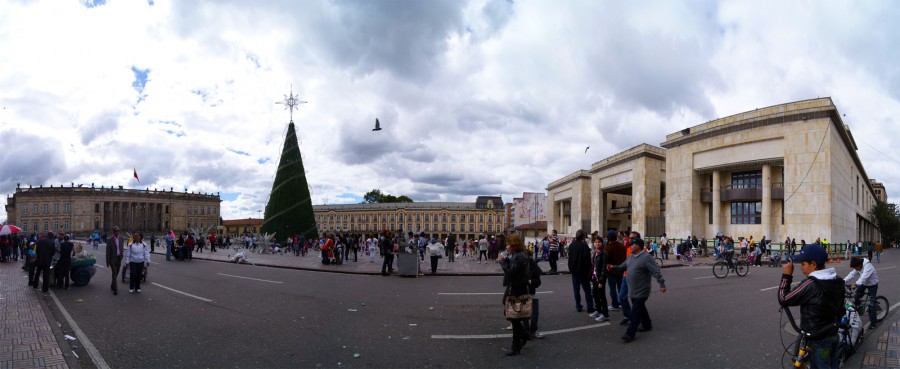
{"x": 821, "y": 300}
{"x": 729, "y": 252}
{"x": 868, "y": 280}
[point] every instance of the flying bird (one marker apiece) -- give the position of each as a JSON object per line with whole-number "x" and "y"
{"x": 586, "y": 149}
{"x": 377, "y": 125}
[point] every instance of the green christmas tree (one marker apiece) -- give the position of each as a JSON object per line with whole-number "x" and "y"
{"x": 289, "y": 211}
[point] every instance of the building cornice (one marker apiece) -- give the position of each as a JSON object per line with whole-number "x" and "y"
{"x": 639, "y": 151}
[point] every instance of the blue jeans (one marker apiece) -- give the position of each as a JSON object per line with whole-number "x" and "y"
{"x": 640, "y": 316}
{"x": 822, "y": 352}
{"x": 583, "y": 283}
{"x": 878, "y": 256}
{"x": 612, "y": 283}
{"x": 873, "y": 292}
{"x": 623, "y": 300}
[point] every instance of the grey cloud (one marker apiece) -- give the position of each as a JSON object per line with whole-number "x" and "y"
{"x": 103, "y": 123}
{"x": 405, "y": 38}
{"x": 29, "y": 160}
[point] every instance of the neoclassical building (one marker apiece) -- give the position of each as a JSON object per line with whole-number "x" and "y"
{"x": 467, "y": 220}
{"x": 788, "y": 170}
{"x": 82, "y": 209}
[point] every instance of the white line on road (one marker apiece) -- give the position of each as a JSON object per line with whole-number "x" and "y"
{"x": 88, "y": 346}
{"x": 507, "y": 335}
{"x": 894, "y": 306}
{"x": 255, "y": 279}
{"x": 479, "y": 293}
{"x": 886, "y": 267}
{"x": 183, "y": 293}
{"x": 709, "y": 276}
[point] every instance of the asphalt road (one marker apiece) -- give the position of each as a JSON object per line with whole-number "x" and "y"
{"x": 210, "y": 314}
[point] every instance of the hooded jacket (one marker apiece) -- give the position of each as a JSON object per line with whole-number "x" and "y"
{"x": 821, "y": 300}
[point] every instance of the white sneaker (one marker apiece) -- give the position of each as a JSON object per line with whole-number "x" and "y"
{"x": 611, "y": 308}
{"x": 594, "y": 314}
{"x": 601, "y": 318}
{"x": 138, "y": 290}
{"x": 509, "y": 328}
{"x": 130, "y": 291}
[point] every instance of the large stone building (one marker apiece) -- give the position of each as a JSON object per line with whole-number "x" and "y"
{"x": 789, "y": 170}
{"x": 81, "y": 209}
{"x": 880, "y": 191}
{"x": 467, "y": 220}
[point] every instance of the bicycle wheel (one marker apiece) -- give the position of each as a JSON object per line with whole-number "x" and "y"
{"x": 741, "y": 268}
{"x": 720, "y": 269}
{"x": 843, "y": 352}
{"x": 881, "y": 308}
{"x": 659, "y": 262}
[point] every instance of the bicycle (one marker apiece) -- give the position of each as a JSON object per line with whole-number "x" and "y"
{"x": 740, "y": 267}
{"x": 880, "y": 304}
{"x": 850, "y": 331}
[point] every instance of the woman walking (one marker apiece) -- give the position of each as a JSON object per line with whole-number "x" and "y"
{"x": 435, "y": 250}
{"x": 516, "y": 277}
{"x": 137, "y": 256}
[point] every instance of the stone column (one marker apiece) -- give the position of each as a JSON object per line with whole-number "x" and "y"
{"x": 766, "y": 201}
{"x": 716, "y": 203}
{"x": 604, "y": 212}
{"x": 596, "y": 206}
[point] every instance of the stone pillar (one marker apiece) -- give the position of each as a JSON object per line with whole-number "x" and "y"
{"x": 604, "y": 212}
{"x": 596, "y": 205}
{"x": 716, "y": 203}
{"x": 766, "y": 201}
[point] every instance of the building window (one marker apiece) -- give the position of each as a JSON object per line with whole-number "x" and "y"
{"x": 746, "y": 213}
{"x": 434, "y": 226}
{"x": 490, "y": 228}
{"x": 66, "y": 208}
{"x": 444, "y": 217}
{"x": 66, "y": 225}
{"x": 418, "y": 217}
{"x": 392, "y": 217}
{"x": 481, "y": 217}
{"x": 427, "y": 217}
{"x": 490, "y": 218}
{"x": 751, "y": 179}
{"x": 471, "y": 228}
{"x": 55, "y": 208}
{"x": 46, "y": 208}
{"x": 409, "y": 227}
{"x": 481, "y": 228}
{"x": 35, "y": 210}
{"x": 710, "y": 213}
{"x": 444, "y": 227}
{"x": 453, "y": 228}
{"x": 400, "y": 217}
{"x": 426, "y": 227}
{"x": 34, "y": 225}
{"x": 25, "y": 210}
{"x": 25, "y": 226}
{"x": 453, "y": 217}
{"x": 46, "y": 226}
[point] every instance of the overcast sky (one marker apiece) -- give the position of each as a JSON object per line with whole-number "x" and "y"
{"x": 475, "y": 98}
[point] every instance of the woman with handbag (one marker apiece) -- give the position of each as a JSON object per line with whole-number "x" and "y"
{"x": 516, "y": 300}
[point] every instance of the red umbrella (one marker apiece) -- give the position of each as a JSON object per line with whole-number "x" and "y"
{"x": 9, "y": 229}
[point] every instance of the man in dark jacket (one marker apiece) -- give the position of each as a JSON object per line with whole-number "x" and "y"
{"x": 640, "y": 267}
{"x": 615, "y": 252}
{"x": 64, "y": 263}
{"x": 580, "y": 269}
{"x": 45, "y": 250}
{"x": 821, "y": 298}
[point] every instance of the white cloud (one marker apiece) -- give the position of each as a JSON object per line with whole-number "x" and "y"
{"x": 478, "y": 97}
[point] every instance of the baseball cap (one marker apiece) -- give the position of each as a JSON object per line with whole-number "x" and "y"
{"x": 611, "y": 235}
{"x": 638, "y": 241}
{"x": 811, "y": 253}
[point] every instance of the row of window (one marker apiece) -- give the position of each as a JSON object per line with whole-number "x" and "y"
{"x": 383, "y": 217}
{"x": 46, "y": 226}
{"x": 745, "y": 213}
{"x": 36, "y": 209}
{"x": 418, "y": 227}
{"x": 199, "y": 210}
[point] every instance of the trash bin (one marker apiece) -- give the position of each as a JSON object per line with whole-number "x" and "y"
{"x": 408, "y": 264}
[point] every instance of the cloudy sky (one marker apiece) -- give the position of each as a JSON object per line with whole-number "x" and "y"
{"x": 475, "y": 97}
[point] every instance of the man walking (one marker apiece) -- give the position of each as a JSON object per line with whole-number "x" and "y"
{"x": 115, "y": 250}
{"x": 45, "y": 250}
{"x": 580, "y": 269}
{"x": 640, "y": 266}
{"x": 554, "y": 251}
{"x": 615, "y": 252}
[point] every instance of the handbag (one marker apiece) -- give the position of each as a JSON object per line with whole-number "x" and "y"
{"x": 518, "y": 307}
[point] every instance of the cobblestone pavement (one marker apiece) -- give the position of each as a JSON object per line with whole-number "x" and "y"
{"x": 26, "y": 338}
{"x": 886, "y": 353}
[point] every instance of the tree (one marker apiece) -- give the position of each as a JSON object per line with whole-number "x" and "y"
{"x": 290, "y": 210}
{"x": 376, "y": 196}
{"x": 887, "y": 219}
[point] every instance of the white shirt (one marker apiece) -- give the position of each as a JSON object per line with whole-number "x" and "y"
{"x": 866, "y": 278}
{"x": 435, "y": 249}
{"x": 137, "y": 253}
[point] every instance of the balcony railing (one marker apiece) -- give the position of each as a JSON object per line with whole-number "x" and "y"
{"x": 741, "y": 193}
{"x": 706, "y": 195}
{"x": 621, "y": 210}
{"x": 778, "y": 190}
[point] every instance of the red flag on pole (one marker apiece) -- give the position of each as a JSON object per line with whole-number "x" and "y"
{"x": 136, "y": 176}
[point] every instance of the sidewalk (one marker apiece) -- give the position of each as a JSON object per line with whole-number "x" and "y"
{"x": 886, "y": 353}
{"x": 26, "y": 338}
{"x": 463, "y": 266}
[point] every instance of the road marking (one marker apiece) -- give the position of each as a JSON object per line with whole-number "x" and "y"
{"x": 479, "y": 293}
{"x": 709, "y": 276}
{"x": 508, "y": 335}
{"x": 255, "y": 279}
{"x": 183, "y": 293}
{"x": 772, "y": 288}
{"x": 886, "y": 267}
{"x": 88, "y": 346}
{"x": 894, "y": 306}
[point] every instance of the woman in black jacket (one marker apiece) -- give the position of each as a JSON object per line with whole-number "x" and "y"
{"x": 516, "y": 278}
